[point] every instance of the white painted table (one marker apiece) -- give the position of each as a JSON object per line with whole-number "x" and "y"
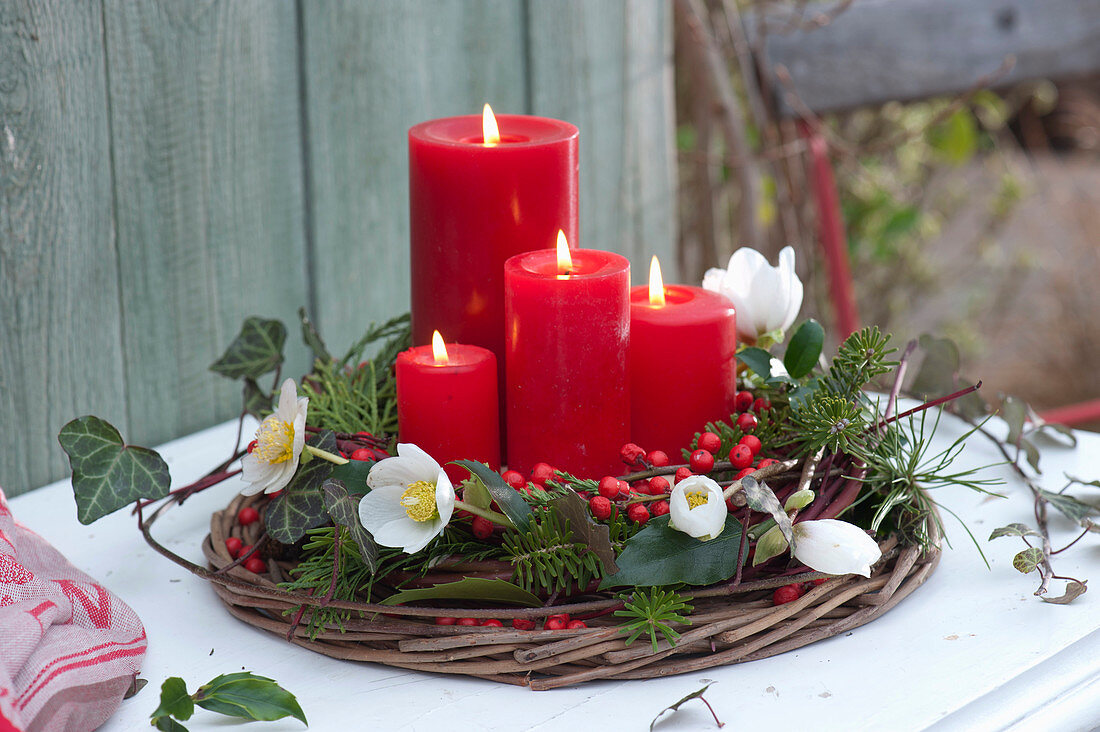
{"x": 970, "y": 650}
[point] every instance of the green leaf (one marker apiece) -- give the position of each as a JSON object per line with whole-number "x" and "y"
{"x": 1032, "y": 453}
{"x": 174, "y": 700}
{"x": 344, "y": 511}
{"x": 1072, "y": 508}
{"x": 1079, "y": 481}
{"x": 660, "y": 555}
{"x": 509, "y": 500}
{"x": 675, "y": 707}
{"x": 255, "y": 400}
{"x": 757, "y": 359}
{"x": 475, "y": 493}
{"x": 595, "y": 537}
{"x": 1014, "y": 413}
{"x": 804, "y": 349}
{"x": 301, "y": 506}
{"x": 256, "y": 350}
{"x": 107, "y": 473}
{"x": 312, "y": 338}
{"x": 769, "y": 546}
{"x": 471, "y": 588}
{"x": 1027, "y": 560}
{"x": 956, "y": 138}
{"x": 249, "y": 697}
{"x": 167, "y": 724}
{"x": 1063, "y": 435}
{"x": 353, "y": 474}
{"x": 1013, "y": 530}
{"x": 760, "y": 498}
{"x": 1074, "y": 589}
{"x": 801, "y": 396}
{"x": 939, "y": 368}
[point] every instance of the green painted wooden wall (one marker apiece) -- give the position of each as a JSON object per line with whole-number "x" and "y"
{"x": 168, "y": 168}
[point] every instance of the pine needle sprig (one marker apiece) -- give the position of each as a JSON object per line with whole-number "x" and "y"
{"x": 861, "y": 357}
{"x": 546, "y": 558}
{"x": 652, "y": 614}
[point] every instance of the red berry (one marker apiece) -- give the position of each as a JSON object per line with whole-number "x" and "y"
{"x": 600, "y": 507}
{"x": 564, "y": 617}
{"x": 554, "y": 624}
{"x": 744, "y": 400}
{"x": 747, "y": 422}
{"x": 819, "y": 581}
{"x": 482, "y": 527}
{"x": 741, "y": 456}
{"x": 657, "y": 486}
{"x": 364, "y": 434}
{"x": 363, "y": 453}
{"x": 491, "y": 623}
{"x": 624, "y": 489}
{"x": 576, "y": 625}
{"x": 752, "y": 442}
{"x": 710, "y": 442}
{"x": 541, "y": 473}
{"x": 244, "y": 550}
{"x": 609, "y": 487}
{"x": 233, "y": 546}
{"x": 255, "y": 565}
{"x": 730, "y": 507}
{"x": 446, "y": 621}
{"x": 248, "y": 515}
{"x": 761, "y": 405}
{"x": 682, "y": 473}
{"x": 251, "y": 446}
{"x": 468, "y": 621}
{"x": 657, "y": 458}
{"x": 514, "y": 478}
{"x": 631, "y": 454}
{"x": 786, "y": 593}
{"x": 766, "y": 462}
{"x": 702, "y": 461}
{"x": 743, "y": 472}
{"x": 637, "y": 513}
{"x": 659, "y": 508}
{"x": 523, "y": 624}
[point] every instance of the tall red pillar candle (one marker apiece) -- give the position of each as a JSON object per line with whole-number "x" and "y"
{"x": 566, "y": 348}
{"x": 447, "y": 403}
{"x": 472, "y": 205}
{"x": 683, "y": 367}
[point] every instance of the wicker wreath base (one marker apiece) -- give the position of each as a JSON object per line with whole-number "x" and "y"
{"x": 729, "y": 624}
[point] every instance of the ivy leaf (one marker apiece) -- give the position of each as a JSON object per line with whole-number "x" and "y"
{"x": 249, "y": 697}
{"x": 312, "y": 338}
{"x": 1074, "y": 589}
{"x": 353, "y": 474}
{"x": 174, "y": 701}
{"x": 1072, "y": 508}
{"x": 939, "y": 368}
{"x": 167, "y": 724}
{"x": 107, "y": 473}
{"x": 256, "y": 402}
{"x": 660, "y": 555}
{"x": 256, "y": 350}
{"x": 1014, "y": 413}
{"x": 698, "y": 694}
{"x": 757, "y": 359}
{"x": 1013, "y": 530}
{"x": 301, "y": 506}
{"x": 1063, "y": 435}
{"x": 344, "y": 511}
{"x": 1032, "y": 453}
{"x": 804, "y": 349}
{"x": 760, "y": 498}
{"x": 1027, "y": 560}
{"x": 470, "y": 588}
{"x": 595, "y": 537}
{"x": 1079, "y": 481}
{"x": 509, "y": 500}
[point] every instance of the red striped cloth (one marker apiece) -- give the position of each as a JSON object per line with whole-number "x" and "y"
{"x": 69, "y": 649}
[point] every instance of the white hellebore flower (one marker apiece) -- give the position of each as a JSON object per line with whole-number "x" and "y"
{"x": 767, "y": 299}
{"x": 697, "y": 508}
{"x": 835, "y": 547}
{"x": 410, "y": 502}
{"x": 279, "y": 442}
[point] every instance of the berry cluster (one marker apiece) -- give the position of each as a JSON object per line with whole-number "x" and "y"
{"x": 791, "y": 592}
{"x": 561, "y": 621}
{"x": 237, "y": 548}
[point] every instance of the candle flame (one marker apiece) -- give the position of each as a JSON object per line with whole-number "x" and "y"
{"x": 565, "y": 262}
{"x": 439, "y": 349}
{"x": 490, "y": 133}
{"x": 656, "y": 284}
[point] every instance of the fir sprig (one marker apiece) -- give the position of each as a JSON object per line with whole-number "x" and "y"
{"x": 861, "y": 357}
{"x": 652, "y": 614}
{"x": 547, "y": 558}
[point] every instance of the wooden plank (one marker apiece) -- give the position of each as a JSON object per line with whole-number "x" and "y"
{"x": 607, "y": 68}
{"x": 60, "y": 338}
{"x": 206, "y": 137}
{"x": 879, "y": 50}
{"x": 372, "y": 70}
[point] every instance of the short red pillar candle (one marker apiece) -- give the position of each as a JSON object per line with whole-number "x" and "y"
{"x": 447, "y": 403}
{"x": 566, "y": 347}
{"x": 683, "y": 367}
{"x": 473, "y": 205}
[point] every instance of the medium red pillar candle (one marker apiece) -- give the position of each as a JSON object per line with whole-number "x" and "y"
{"x": 447, "y": 403}
{"x": 567, "y": 339}
{"x": 683, "y": 367}
{"x": 473, "y": 205}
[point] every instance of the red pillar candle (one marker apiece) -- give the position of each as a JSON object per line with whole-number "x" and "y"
{"x": 683, "y": 368}
{"x": 566, "y": 346}
{"x": 447, "y": 403}
{"x": 473, "y": 205}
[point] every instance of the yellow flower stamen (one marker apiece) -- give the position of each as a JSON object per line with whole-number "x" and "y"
{"x": 419, "y": 501}
{"x": 274, "y": 441}
{"x": 696, "y": 498}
